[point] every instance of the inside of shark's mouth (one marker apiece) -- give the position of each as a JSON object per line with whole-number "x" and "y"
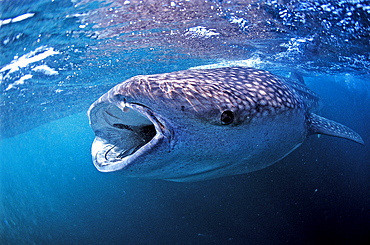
{"x": 125, "y": 132}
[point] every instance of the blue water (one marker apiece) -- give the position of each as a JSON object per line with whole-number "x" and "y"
{"x": 57, "y": 57}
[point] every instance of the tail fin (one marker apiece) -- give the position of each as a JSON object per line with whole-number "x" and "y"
{"x": 321, "y": 125}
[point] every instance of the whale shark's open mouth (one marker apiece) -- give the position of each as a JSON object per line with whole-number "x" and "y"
{"x": 123, "y": 134}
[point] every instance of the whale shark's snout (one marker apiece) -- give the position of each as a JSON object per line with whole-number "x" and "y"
{"x": 124, "y": 132}
{"x": 200, "y": 124}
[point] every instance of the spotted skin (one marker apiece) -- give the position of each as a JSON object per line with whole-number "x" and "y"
{"x": 200, "y": 124}
{"x": 247, "y": 92}
{"x": 321, "y": 125}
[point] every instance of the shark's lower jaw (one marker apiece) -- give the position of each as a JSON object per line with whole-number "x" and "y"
{"x": 123, "y": 134}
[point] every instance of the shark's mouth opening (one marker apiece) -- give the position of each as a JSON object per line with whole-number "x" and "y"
{"x": 123, "y": 134}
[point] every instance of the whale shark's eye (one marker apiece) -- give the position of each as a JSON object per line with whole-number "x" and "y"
{"x": 227, "y": 117}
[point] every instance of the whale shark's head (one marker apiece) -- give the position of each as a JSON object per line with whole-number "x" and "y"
{"x": 198, "y": 124}
{"x": 153, "y": 122}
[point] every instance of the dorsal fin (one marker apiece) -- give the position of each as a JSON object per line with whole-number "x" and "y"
{"x": 297, "y": 76}
{"x": 321, "y": 125}
{"x": 296, "y": 83}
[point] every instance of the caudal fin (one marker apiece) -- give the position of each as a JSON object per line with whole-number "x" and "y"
{"x": 321, "y": 125}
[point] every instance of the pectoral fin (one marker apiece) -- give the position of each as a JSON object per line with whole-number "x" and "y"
{"x": 321, "y": 125}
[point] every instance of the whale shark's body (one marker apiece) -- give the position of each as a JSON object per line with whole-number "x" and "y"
{"x": 199, "y": 124}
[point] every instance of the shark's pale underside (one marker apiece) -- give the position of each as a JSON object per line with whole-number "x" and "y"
{"x": 200, "y": 124}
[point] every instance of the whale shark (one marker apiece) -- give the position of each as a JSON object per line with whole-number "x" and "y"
{"x": 202, "y": 124}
